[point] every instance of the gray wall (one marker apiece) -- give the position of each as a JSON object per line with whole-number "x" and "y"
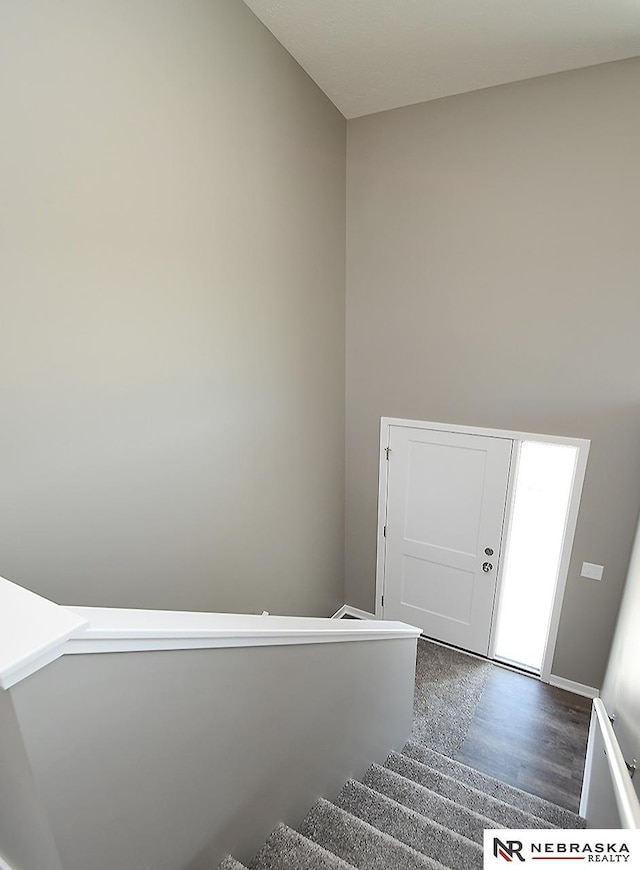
{"x": 172, "y": 310}
{"x": 26, "y": 840}
{"x": 166, "y": 760}
{"x": 492, "y": 280}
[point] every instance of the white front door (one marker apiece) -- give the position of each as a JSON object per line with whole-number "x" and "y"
{"x": 445, "y": 512}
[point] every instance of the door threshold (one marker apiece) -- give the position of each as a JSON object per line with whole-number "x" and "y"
{"x": 508, "y": 666}
{"x": 516, "y": 666}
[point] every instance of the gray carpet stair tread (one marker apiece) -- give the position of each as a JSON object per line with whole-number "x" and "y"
{"x": 286, "y": 849}
{"x": 479, "y": 801}
{"x": 359, "y": 843}
{"x": 409, "y": 827}
{"x": 557, "y": 816}
{"x": 230, "y": 863}
{"x": 428, "y": 803}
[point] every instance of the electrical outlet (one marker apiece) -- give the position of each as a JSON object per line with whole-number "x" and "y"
{"x": 591, "y": 571}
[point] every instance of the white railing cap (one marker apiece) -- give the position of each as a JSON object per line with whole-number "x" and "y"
{"x": 117, "y": 630}
{"x": 33, "y": 631}
{"x": 111, "y": 622}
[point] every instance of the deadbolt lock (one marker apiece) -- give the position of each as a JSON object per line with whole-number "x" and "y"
{"x": 488, "y": 551}
{"x": 486, "y": 567}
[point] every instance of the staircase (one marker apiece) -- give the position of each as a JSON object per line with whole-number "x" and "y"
{"x": 421, "y": 810}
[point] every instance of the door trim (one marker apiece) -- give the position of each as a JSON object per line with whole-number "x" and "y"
{"x": 506, "y": 530}
{"x": 582, "y": 445}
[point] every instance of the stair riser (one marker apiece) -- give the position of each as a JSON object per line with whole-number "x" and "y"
{"x": 286, "y": 849}
{"x": 553, "y": 815}
{"x": 410, "y": 828}
{"x": 500, "y": 813}
{"x": 428, "y": 803}
{"x": 359, "y": 843}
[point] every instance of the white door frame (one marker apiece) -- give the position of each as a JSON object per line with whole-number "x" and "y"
{"x": 582, "y": 446}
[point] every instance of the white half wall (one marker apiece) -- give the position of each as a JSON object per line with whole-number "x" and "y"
{"x": 173, "y": 759}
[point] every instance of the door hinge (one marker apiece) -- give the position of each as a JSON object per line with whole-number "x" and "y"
{"x": 387, "y": 450}
{"x": 384, "y": 531}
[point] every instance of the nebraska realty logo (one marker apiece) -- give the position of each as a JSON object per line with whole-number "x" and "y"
{"x": 557, "y": 847}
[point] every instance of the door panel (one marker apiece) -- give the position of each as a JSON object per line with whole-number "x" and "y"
{"x": 432, "y": 514}
{"x": 440, "y": 589}
{"x": 446, "y": 504}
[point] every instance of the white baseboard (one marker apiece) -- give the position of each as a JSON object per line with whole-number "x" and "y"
{"x": 347, "y": 610}
{"x": 576, "y": 688}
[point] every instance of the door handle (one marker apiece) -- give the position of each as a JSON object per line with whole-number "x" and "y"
{"x": 486, "y": 567}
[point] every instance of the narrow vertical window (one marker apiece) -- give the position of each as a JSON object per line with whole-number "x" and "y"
{"x": 543, "y": 486}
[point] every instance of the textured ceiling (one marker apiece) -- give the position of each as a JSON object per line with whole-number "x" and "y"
{"x": 372, "y": 55}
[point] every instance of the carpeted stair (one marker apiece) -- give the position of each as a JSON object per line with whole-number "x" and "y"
{"x": 421, "y": 811}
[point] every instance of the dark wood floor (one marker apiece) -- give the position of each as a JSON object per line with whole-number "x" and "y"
{"x": 530, "y": 735}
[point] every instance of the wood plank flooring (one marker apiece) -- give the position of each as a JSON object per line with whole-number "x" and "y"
{"x": 531, "y": 735}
